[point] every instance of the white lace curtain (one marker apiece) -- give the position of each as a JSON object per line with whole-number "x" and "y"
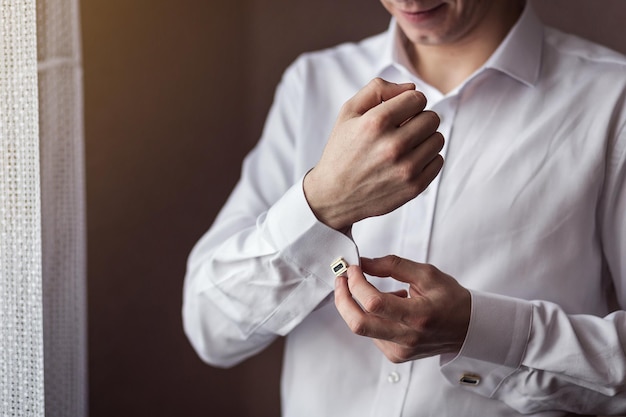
{"x": 42, "y": 213}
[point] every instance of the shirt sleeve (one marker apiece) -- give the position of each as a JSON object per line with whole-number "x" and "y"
{"x": 265, "y": 263}
{"x": 534, "y": 356}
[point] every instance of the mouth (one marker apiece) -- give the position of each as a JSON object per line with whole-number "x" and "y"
{"x": 418, "y": 16}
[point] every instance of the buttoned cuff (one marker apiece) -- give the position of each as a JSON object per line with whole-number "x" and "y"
{"x": 495, "y": 343}
{"x": 309, "y": 245}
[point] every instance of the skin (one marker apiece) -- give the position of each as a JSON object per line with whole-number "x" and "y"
{"x": 447, "y": 40}
{"x": 384, "y": 149}
{"x": 405, "y": 325}
{"x": 383, "y": 152}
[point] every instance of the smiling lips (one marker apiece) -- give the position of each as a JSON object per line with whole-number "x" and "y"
{"x": 419, "y": 16}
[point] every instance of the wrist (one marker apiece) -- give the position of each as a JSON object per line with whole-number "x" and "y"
{"x": 320, "y": 202}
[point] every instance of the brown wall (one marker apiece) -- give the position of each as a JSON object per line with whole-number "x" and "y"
{"x": 175, "y": 94}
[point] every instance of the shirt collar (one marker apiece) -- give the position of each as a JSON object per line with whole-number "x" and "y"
{"x": 518, "y": 56}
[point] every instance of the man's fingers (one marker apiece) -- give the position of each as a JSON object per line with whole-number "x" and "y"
{"x": 395, "y": 352}
{"x": 421, "y": 277}
{"x": 421, "y": 165}
{"x": 374, "y": 93}
{"x": 399, "y": 268}
{"x": 360, "y": 322}
{"x": 421, "y": 129}
{"x": 430, "y": 172}
{"x": 425, "y": 163}
{"x": 408, "y": 104}
{"x": 371, "y": 299}
{"x": 433, "y": 321}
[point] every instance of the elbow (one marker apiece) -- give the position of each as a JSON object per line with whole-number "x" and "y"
{"x": 216, "y": 337}
{"x": 214, "y": 357}
{"x": 221, "y": 344}
{"x": 212, "y": 345}
{"x": 211, "y": 352}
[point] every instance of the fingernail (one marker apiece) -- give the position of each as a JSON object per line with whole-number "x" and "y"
{"x": 337, "y": 282}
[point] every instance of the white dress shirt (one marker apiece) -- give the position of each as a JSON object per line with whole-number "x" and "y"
{"x": 529, "y": 213}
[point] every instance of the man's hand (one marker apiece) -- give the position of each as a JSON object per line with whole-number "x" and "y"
{"x": 432, "y": 319}
{"x": 383, "y": 151}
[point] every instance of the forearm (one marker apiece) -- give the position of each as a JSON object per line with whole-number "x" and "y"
{"x": 546, "y": 359}
{"x": 251, "y": 280}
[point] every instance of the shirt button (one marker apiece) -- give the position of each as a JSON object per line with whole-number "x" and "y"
{"x": 393, "y": 378}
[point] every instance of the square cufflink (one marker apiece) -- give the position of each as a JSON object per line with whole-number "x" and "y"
{"x": 469, "y": 379}
{"x": 339, "y": 266}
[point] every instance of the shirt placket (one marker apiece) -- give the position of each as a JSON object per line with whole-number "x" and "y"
{"x": 393, "y": 384}
{"x": 419, "y": 213}
{"x": 447, "y": 110}
{"x": 418, "y": 218}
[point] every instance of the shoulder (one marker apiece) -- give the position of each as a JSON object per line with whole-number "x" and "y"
{"x": 587, "y": 53}
{"x": 587, "y": 73}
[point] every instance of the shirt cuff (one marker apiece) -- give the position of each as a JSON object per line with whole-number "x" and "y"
{"x": 312, "y": 247}
{"x": 495, "y": 343}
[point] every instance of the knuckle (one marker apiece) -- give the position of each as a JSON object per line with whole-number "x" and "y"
{"x": 398, "y": 354}
{"x": 390, "y": 151}
{"x": 418, "y": 186}
{"x": 378, "y": 83}
{"x": 358, "y": 327}
{"x": 431, "y": 118}
{"x": 376, "y": 122}
{"x": 346, "y": 107}
{"x": 429, "y": 270}
{"x": 420, "y": 179}
{"x": 419, "y": 97}
{"x": 407, "y": 171}
{"x": 412, "y": 340}
{"x": 394, "y": 260}
{"x": 374, "y": 304}
{"x": 437, "y": 140}
{"x": 434, "y": 144}
{"x": 437, "y": 162}
{"x": 393, "y": 358}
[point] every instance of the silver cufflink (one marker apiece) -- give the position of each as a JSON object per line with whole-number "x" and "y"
{"x": 339, "y": 266}
{"x": 468, "y": 379}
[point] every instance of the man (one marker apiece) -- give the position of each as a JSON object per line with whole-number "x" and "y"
{"x": 528, "y": 214}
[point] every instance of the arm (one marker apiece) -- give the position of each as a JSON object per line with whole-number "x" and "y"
{"x": 244, "y": 288}
{"x": 539, "y": 358}
{"x": 531, "y": 355}
{"x": 256, "y": 273}
{"x": 569, "y": 362}
{"x": 264, "y": 265}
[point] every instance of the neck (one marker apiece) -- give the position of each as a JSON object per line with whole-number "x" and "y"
{"x": 446, "y": 66}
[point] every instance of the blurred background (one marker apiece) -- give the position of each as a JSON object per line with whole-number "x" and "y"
{"x": 175, "y": 95}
